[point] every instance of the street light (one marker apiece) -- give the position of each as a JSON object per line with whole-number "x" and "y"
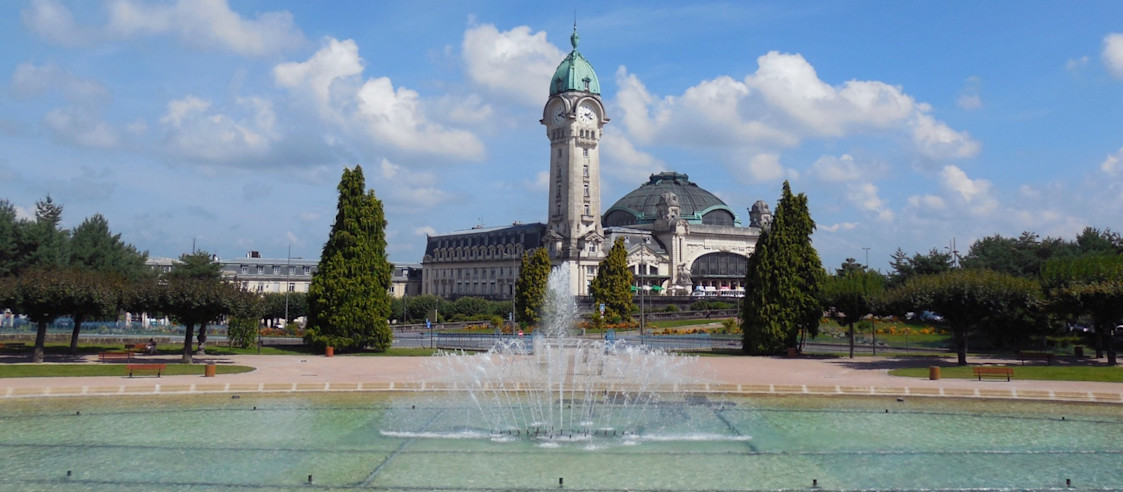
{"x": 643, "y": 287}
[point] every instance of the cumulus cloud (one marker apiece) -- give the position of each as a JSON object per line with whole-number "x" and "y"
{"x": 410, "y": 191}
{"x": 30, "y": 80}
{"x": 974, "y": 192}
{"x": 1074, "y": 64}
{"x": 514, "y": 63}
{"x": 195, "y": 130}
{"x": 844, "y": 172}
{"x": 836, "y": 169}
{"x": 765, "y": 167}
{"x": 629, "y": 164}
{"x": 424, "y": 231}
{"x": 779, "y": 106}
{"x": 1113, "y": 54}
{"x": 81, "y": 127}
{"x": 80, "y": 122}
{"x": 203, "y": 23}
{"x": 372, "y": 109}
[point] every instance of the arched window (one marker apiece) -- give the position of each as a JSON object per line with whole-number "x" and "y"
{"x": 719, "y": 265}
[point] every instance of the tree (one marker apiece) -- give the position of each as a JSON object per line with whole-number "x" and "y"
{"x": 1092, "y": 241}
{"x": 90, "y": 294}
{"x": 1021, "y": 257}
{"x": 245, "y": 318}
{"x": 783, "y": 280}
{"x": 849, "y": 266}
{"x": 44, "y": 244}
{"x": 968, "y": 300}
{"x": 10, "y": 231}
{"x": 42, "y": 295}
{"x": 851, "y": 296}
{"x": 530, "y": 287}
{"x": 1089, "y": 285}
{"x": 613, "y": 284}
{"x": 348, "y": 301}
{"x": 193, "y": 272}
{"x": 93, "y": 247}
{"x": 905, "y": 267}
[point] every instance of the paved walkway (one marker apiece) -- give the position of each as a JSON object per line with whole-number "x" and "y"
{"x": 749, "y": 375}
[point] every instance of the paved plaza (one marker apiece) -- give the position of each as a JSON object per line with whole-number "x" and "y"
{"x": 747, "y": 375}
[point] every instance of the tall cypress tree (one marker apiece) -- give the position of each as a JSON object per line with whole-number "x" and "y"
{"x": 613, "y": 283}
{"x": 530, "y": 288}
{"x": 782, "y": 283}
{"x": 348, "y": 302}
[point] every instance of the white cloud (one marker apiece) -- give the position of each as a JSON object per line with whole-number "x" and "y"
{"x": 865, "y": 197}
{"x": 974, "y": 192}
{"x": 30, "y": 80}
{"x": 81, "y": 127}
{"x": 927, "y": 202}
{"x": 969, "y": 98}
{"x": 204, "y": 23}
{"x": 194, "y": 130}
{"x": 765, "y": 167}
{"x": 1074, "y": 64}
{"x": 373, "y": 110}
{"x": 407, "y": 190}
{"x": 424, "y": 231}
{"x": 836, "y": 169}
{"x": 629, "y": 164}
{"x": 841, "y": 226}
{"x": 54, "y": 22}
{"x": 1111, "y": 165}
{"x": 514, "y": 63}
{"x": 780, "y": 105}
{"x": 1113, "y": 54}
{"x": 541, "y": 182}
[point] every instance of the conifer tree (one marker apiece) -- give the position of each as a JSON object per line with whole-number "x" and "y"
{"x": 530, "y": 288}
{"x": 613, "y": 283}
{"x": 348, "y": 301}
{"x": 782, "y": 283}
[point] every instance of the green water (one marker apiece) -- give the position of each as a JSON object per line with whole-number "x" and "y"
{"x": 400, "y": 442}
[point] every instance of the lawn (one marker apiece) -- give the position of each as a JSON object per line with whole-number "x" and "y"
{"x": 84, "y": 370}
{"x": 1042, "y": 373}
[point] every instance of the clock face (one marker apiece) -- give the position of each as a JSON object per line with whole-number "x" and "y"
{"x": 559, "y": 115}
{"x": 585, "y": 115}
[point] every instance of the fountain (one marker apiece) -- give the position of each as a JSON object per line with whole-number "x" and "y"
{"x": 561, "y": 387}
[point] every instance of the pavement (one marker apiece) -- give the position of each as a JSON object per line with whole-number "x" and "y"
{"x": 741, "y": 375}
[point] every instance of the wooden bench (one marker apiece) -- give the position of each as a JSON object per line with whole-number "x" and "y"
{"x": 1035, "y": 355}
{"x": 14, "y": 346}
{"x": 149, "y": 368}
{"x": 114, "y": 356}
{"x": 993, "y": 372}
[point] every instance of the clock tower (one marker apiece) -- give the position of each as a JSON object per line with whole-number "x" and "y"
{"x": 574, "y": 118}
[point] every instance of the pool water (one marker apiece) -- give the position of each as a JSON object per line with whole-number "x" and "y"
{"x": 367, "y": 441}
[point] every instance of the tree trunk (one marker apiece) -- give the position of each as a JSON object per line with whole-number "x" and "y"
{"x": 78, "y": 319}
{"x": 961, "y": 345}
{"x": 190, "y": 331}
{"x": 202, "y": 346}
{"x": 1109, "y": 340}
{"x": 851, "y": 333}
{"x": 40, "y": 339}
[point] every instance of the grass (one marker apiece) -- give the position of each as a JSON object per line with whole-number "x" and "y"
{"x": 1105, "y": 374}
{"x": 86, "y": 370}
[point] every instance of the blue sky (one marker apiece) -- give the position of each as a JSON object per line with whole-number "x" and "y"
{"x": 227, "y": 124}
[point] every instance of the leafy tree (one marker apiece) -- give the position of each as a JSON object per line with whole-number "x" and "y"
{"x": 530, "y": 287}
{"x": 471, "y": 307}
{"x": 1089, "y": 285}
{"x": 968, "y": 300}
{"x": 348, "y": 301}
{"x": 44, "y": 244}
{"x": 90, "y": 294}
{"x": 783, "y": 280}
{"x": 428, "y": 306}
{"x": 202, "y": 268}
{"x": 10, "y": 231}
{"x": 193, "y": 301}
{"x": 851, "y": 296}
{"x": 273, "y": 306}
{"x": 1020, "y": 257}
{"x": 906, "y": 267}
{"x": 849, "y": 266}
{"x": 613, "y": 284}
{"x": 42, "y": 295}
{"x": 245, "y": 315}
{"x": 93, "y": 247}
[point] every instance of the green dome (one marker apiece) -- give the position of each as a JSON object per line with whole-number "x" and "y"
{"x": 696, "y": 205}
{"x": 574, "y": 73}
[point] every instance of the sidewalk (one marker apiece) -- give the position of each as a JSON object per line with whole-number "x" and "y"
{"x": 748, "y": 375}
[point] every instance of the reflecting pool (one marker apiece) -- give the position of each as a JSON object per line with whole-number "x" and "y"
{"x": 420, "y": 441}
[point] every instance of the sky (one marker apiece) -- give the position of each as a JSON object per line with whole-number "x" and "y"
{"x": 225, "y": 125}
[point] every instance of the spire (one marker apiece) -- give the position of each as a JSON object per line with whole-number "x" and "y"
{"x": 574, "y": 38}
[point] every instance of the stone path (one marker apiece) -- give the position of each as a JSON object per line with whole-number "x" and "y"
{"x": 748, "y": 375}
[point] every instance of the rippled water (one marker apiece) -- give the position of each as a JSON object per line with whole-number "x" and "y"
{"x": 367, "y": 441}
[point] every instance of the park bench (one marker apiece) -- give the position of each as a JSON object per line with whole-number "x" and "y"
{"x": 12, "y": 345}
{"x": 148, "y": 368}
{"x": 1035, "y": 355}
{"x": 993, "y": 372}
{"x": 114, "y": 356}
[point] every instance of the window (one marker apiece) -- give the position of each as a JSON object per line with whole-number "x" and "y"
{"x": 292, "y": 270}
{"x": 587, "y": 210}
{"x": 586, "y": 191}
{"x": 586, "y": 170}
{"x": 276, "y": 270}
{"x": 245, "y": 269}
{"x": 585, "y": 152}
{"x": 260, "y": 270}
{"x": 307, "y": 270}
{"x": 292, "y": 287}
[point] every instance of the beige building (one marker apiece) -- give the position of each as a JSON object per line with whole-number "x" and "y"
{"x": 681, "y": 238}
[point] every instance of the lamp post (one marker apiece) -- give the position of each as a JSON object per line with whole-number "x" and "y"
{"x": 643, "y": 287}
